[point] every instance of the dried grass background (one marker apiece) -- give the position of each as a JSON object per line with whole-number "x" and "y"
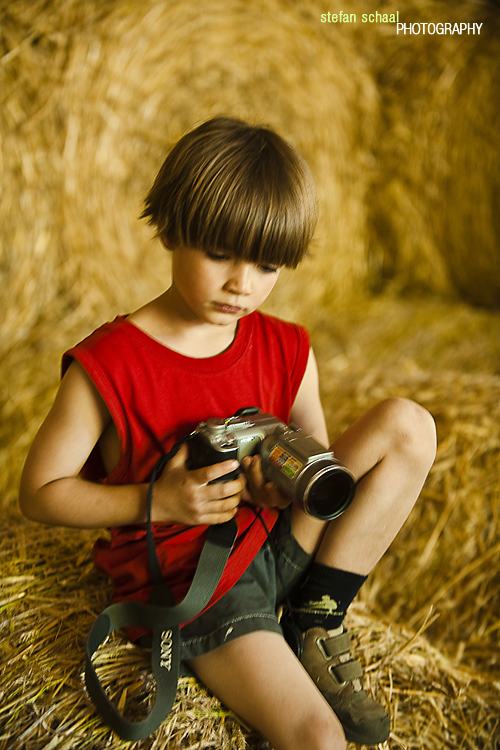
{"x": 402, "y": 136}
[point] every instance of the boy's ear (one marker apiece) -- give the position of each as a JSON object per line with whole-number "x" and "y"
{"x": 163, "y": 241}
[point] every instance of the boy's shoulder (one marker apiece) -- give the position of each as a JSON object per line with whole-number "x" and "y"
{"x": 285, "y": 338}
{"x": 98, "y": 338}
{"x": 268, "y": 322}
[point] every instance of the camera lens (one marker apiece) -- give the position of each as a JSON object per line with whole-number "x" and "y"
{"x": 330, "y": 494}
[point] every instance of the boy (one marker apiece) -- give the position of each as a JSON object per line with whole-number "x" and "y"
{"x": 233, "y": 204}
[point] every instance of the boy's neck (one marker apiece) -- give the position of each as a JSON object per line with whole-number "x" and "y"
{"x": 165, "y": 320}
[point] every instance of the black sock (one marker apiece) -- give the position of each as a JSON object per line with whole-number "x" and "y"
{"x": 322, "y": 600}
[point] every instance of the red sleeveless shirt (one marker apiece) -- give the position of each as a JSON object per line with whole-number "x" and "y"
{"x": 155, "y": 396}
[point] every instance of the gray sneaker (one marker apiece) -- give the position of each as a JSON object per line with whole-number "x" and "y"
{"x": 327, "y": 660}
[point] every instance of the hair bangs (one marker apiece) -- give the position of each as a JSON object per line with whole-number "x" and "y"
{"x": 237, "y": 188}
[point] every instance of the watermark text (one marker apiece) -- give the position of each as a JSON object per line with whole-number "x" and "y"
{"x": 438, "y": 28}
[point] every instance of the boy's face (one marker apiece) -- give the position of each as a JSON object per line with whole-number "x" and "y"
{"x": 219, "y": 288}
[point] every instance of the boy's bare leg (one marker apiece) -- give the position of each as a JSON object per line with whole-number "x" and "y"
{"x": 259, "y": 678}
{"x": 390, "y": 449}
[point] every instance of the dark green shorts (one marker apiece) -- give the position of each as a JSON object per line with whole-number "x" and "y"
{"x": 252, "y": 602}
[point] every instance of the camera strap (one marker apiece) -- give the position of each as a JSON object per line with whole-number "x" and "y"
{"x": 163, "y": 617}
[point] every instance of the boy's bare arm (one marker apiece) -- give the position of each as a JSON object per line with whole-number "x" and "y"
{"x": 53, "y": 492}
{"x": 307, "y": 410}
{"x": 51, "y": 489}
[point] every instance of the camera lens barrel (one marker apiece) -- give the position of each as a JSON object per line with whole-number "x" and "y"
{"x": 307, "y": 472}
{"x": 325, "y": 489}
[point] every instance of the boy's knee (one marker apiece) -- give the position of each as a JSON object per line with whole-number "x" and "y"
{"x": 412, "y": 427}
{"x": 322, "y": 733}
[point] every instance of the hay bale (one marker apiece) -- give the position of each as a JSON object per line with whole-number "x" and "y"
{"x": 95, "y": 93}
{"x": 433, "y": 218}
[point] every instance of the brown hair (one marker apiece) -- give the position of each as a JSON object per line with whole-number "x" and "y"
{"x": 227, "y": 185}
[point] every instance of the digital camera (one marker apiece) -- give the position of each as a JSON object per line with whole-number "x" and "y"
{"x": 300, "y": 467}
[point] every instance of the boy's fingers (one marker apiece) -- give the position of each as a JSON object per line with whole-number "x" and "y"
{"x": 180, "y": 458}
{"x": 253, "y": 469}
{"x": 211, "y": 473}
{"x": 219, "y": 511}
{"x": 207, "y": 474}
{"x": 265, "y": 493}
{"x": 223, "y": 490}
{"x": 276, "y": 499}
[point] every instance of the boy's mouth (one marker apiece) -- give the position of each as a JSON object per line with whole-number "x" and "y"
{"x": 228, "y": 309}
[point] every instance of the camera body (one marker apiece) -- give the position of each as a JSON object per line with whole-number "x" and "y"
{"x": 301, "y": 468}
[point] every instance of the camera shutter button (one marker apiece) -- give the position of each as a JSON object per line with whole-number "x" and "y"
{"x": 227, "y": 440}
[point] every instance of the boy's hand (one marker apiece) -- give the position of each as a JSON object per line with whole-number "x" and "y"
{"x": 259, "y": 491}
{"x": 186, "y": 497}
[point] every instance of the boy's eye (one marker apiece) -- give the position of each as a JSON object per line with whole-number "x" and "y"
{"x": 217, "y": 256}
{"x": 221, "y": 257}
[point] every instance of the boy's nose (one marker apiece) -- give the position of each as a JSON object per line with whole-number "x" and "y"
{"x": 240, "y": 281}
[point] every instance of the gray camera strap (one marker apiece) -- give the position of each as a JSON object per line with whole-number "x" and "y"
{"x": 163, "y": 617}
